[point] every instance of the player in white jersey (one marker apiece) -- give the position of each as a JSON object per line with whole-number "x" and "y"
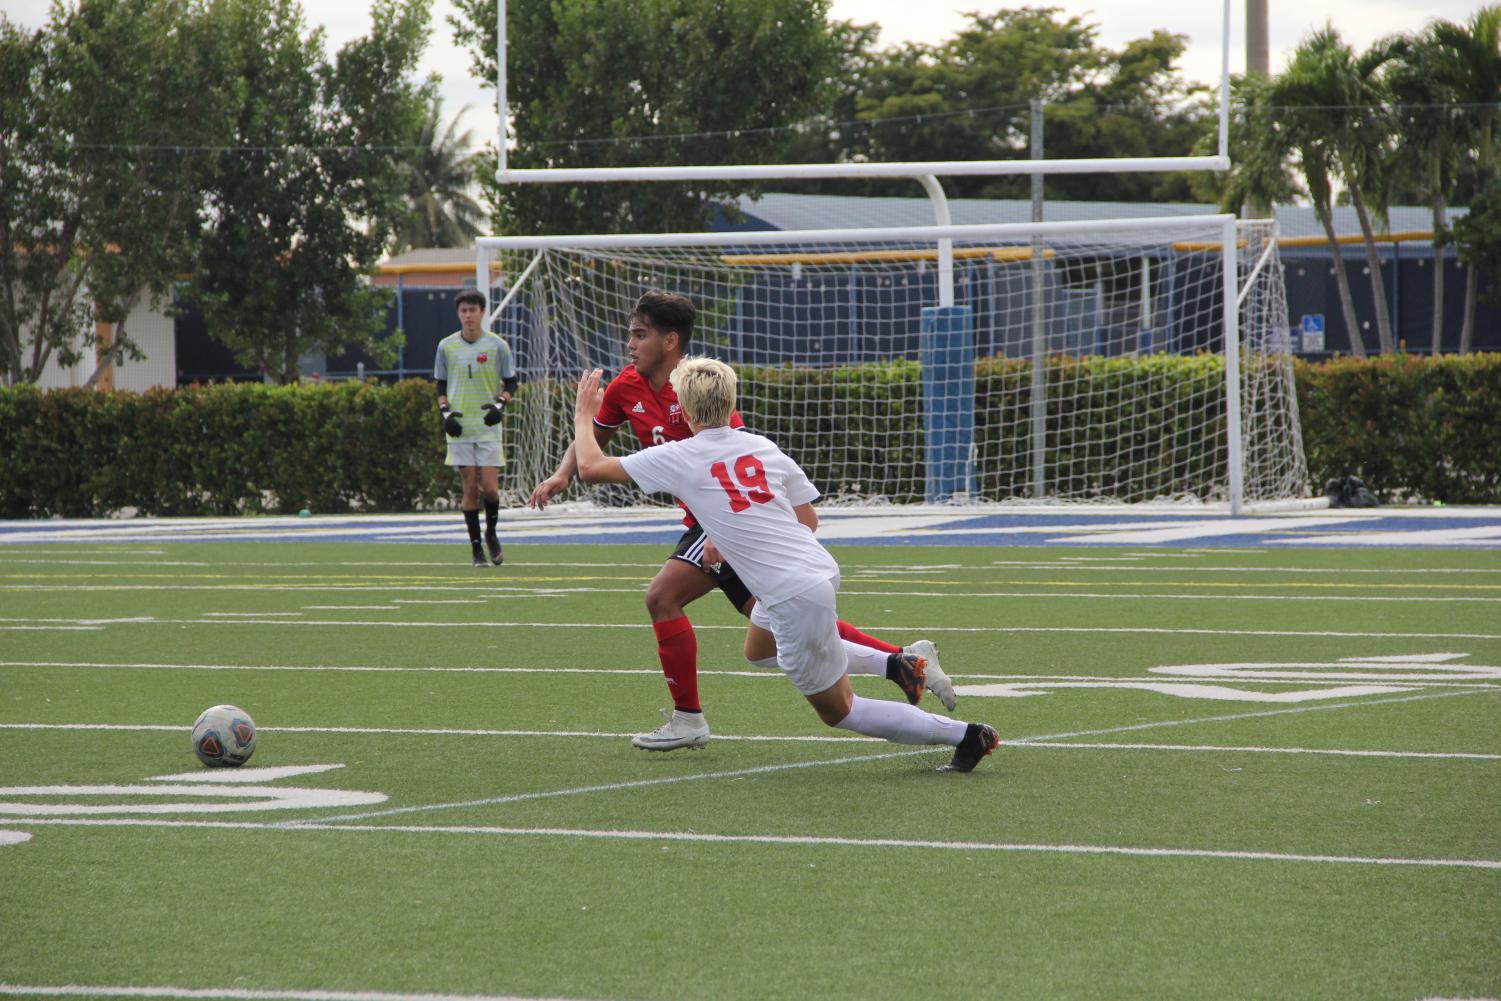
{"x": 756, "y": 504}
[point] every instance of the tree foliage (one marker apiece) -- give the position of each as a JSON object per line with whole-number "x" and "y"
{"x": 314, "y": 191}
{"x": 104, "y": 119}
{"x": 141, "y": 140}
{"x": 967, "y": 98}
{"x": 605, "y": 83}
{"x": 443, "y": 212}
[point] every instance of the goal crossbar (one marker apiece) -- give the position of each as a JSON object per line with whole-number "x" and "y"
{"x": 805, "y": 171}
{"x": 1210, "y": 224}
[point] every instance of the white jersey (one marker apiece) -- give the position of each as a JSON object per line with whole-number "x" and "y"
{"x": 742, "y": 489}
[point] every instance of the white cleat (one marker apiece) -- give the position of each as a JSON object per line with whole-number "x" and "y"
{"x": 937, "y": 682}
{"x": 678, "y": 729}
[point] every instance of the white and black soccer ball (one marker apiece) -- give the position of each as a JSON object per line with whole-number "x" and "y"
{"x": 224, "y": 737}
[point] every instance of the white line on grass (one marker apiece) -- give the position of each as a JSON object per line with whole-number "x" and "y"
{"x": 610, "y": 787}
{"x": 1210, "y": 748}
{"x": 1426, "y": 681}
{"x": 1022, "y": 742}
{"x": 784, "y": 839}
{"x": 1025, "y": 742}
{"x": 931, "y": 629}
{"x": 614, "y": 786}
{"x": 555, "y": 591}
{"x": 245, "y": 994}
{"x": 1248, "y": 715}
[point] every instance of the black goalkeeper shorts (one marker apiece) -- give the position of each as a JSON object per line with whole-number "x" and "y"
{"x": 691, "y": 551}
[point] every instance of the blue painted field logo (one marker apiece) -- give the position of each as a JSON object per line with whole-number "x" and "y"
{"x": 226, "y": 792}
{"x": 1343, "y": 678}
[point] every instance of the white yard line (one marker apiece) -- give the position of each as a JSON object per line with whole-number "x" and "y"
{"x": 616, "y": 786}
{"x": 1427, "y": 681}
{"x": 784, "y": 840}
{"x": 244, "y": 994}
{"x": 1248, "y": 715}
{"x": 1212, "y": 748}
{"x": 1022, "y": 742}
{"x": 929, "y": 628}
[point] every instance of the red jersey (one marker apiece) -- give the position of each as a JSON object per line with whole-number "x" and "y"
{"x": 655, "y": 415}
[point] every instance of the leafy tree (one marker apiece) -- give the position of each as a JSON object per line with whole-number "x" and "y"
{"x": 105, "y": 116}
{"x": 311, "y": 195}
{"x": 443, "y": 213}
{"x": 40, "y": 289}
{"x": 1431, "y": 135}
{"x": 1260, "y": 177}
{"x": 1478, "y": 238}
{"x": 968, "y": 98}
{"x": 832, "y": 133}
{"x": 1314, "y": 97}
{"x": 1471, "y": 65}
{"x": 144, "y": 102}
{"x": 592, "y": 82}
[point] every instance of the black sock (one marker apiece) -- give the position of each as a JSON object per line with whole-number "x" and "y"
{"x": 471, "y": 518}
{"x": 492, "y": 514}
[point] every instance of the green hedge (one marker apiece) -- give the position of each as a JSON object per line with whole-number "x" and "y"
{"x": 1413, "y": 428}
{"x": 229, "y": 448}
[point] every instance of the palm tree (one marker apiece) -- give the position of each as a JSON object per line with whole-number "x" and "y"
{"x": 1260, "y": 177}
{"x": 444, "y": 214}
{"x": 1430, "y": 136}
{"x": 1472, "y": 67}
{"x": 1313, "y": 99}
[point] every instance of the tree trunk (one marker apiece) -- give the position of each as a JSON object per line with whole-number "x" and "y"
{"x": 116, "y": 349}
{"x": 1378, "y": 281}
{"x": 1467, "y": 329}
{"x": 1346, "y": 300}
{"x": 1439, "y": 225}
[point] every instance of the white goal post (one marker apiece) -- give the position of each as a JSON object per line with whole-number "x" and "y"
{"x": 1122, "y": 360}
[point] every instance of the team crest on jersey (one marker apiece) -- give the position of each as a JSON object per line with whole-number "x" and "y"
{"x": 484, "y": 356}
{"x": 674, "y": 414}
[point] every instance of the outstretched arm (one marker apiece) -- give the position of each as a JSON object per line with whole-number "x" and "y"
{"x": 566, "y": 471}
{"x": 593, "y": 465}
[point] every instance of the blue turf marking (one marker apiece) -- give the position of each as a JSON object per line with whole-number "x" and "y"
{"x": 1469, "y": 528}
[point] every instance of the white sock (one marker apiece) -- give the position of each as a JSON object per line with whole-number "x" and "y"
{"x": 900, "y": 723}
{"x": 863, "y": 660}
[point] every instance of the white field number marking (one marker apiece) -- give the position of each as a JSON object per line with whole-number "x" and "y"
{"x": 229, "y": 792}
{"x": 1377, "y": 673}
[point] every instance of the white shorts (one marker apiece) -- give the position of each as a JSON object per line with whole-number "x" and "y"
{"x": 476, "y": 453}
{"x": 807, "y": 633}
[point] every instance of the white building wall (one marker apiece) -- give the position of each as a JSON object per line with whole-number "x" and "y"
{"x": 152, "y": 330}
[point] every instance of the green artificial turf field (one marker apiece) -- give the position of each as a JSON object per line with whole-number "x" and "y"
{"x": 1226, "y": 774}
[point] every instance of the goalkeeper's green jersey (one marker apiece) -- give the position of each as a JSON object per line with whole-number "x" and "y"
{"x": 473, "y": 371}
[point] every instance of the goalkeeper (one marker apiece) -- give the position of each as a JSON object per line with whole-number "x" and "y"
{"x": 476, "y": 377}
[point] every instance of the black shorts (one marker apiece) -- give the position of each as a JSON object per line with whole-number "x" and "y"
{"x": 691, "y": 551}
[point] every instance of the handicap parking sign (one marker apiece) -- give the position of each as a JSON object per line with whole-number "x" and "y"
{"x": 1311, "y": 327}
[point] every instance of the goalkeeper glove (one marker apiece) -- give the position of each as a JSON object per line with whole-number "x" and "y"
{"x": 493, "y": 411}
{"x": 451, "y": 425}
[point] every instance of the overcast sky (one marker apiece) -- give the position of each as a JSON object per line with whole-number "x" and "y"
{"x": 1359, "y": 21}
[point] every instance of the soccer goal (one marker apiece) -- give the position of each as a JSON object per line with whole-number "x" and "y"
{"x": 1117, "y": 360}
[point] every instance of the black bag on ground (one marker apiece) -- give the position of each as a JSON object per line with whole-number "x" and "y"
{"x": 1348, "y": 491}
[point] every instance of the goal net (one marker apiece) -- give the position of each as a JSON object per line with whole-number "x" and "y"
{"x": 1108, "y": 361}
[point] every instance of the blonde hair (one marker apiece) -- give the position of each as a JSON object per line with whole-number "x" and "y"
{"x": 706, "y": 390}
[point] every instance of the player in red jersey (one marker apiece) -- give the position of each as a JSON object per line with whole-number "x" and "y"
{"x": 661, "y": 327}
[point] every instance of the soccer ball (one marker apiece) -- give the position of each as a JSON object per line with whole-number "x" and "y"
{"x": 224, "y": 737}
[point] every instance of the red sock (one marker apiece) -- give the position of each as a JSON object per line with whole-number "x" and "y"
{"x": 849, "y": 632}
{"x": 677, "y": 648}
